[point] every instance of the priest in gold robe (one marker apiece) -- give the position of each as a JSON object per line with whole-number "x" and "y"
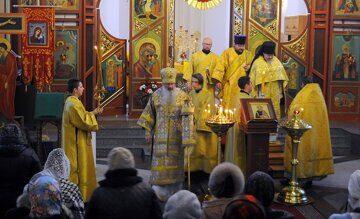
{"x": 314, "y": 151}
{"x": 203, "y": 62}
{"x": 268, "y": 76}
{"x": 233, "y": 64}
{"x": 77, "y": 125}
{"x": 204, "y": 155}
{"x": 168, "y": 121}
{"x": 235, "y": 149}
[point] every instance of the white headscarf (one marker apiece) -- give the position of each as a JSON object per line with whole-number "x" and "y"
{"x": 354, "y": 190}
{"x": 58, "y": 164}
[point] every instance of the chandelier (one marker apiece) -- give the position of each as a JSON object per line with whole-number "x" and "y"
{"x": 203, "y": 4}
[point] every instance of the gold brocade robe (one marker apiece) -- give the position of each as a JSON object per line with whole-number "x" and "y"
{"x": 235, "y": 149}
{"x": 270, "y": 79}
{"x": 228, "y": 70}
{"x": 204, "y": 154}
{"x": 77, "y": 125}
{"x": 314, "y": 151}
{"x": 199, "y": 62}
{"x": 172, "y": 130}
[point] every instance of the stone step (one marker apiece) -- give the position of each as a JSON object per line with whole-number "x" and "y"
{"x": 114, "y": 133}
{"x": 127, "y": 142}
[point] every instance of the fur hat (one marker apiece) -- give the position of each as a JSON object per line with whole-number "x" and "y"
{"x": 226, "y": 180}
{"x": 120, "y": 158}
{"x": 261, "y": 185}
{"x": 182, "y": 205}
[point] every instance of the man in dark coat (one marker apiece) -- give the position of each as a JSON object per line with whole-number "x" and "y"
{"x": 123, "y": 194}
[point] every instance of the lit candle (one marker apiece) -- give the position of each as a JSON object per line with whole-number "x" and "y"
{"x": 226, "y": 113}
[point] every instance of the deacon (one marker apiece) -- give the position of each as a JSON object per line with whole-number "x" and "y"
{"x": 203, "y": 62}
{"x": 204, "y": 156}
{"x": 314, "y": 151}
{"x": 77, "y": 125}
{"x": 268, "y": 75}
{"x": 168, "y": 121}
{"x": 233, "y": 64}
{"x": 235, "y": 149}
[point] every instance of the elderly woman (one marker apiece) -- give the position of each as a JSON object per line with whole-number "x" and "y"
{"x": 226, "y": 182}
{"x": 182, "y": 205}
{"x": 57, "y": 166}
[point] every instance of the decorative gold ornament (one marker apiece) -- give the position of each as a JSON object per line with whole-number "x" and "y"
{"x": 99, "y": 90}
{"x": 299, "y": 46}
{"x": 203, "y": 4}
{"x": 294, "y": 194}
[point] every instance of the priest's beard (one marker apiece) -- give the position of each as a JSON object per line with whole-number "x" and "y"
{"x": 239, "y": 52}
{"x": 168, "y": 96}
{"x": 206, "y": 51}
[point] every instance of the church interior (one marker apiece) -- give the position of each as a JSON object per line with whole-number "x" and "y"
{"x": 265, "y": 85}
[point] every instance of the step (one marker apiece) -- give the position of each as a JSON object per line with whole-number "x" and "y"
{"x": 128, "y": 142}
{"x": 104, "y": 133}
{"x": 276, "y": 171}
{"x": 276, "y": 149}
{"x": 142, "y": 161}
{"x": 276, "y": 156}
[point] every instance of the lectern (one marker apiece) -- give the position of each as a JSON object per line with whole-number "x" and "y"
{"x": 258, "y": 120}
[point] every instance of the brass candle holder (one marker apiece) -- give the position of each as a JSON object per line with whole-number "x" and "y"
{"x": 220, "y": 123}
{"x": 294, "y": 194}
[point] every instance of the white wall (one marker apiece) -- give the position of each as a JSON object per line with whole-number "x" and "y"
{"x": 115, "y": 15}
{"x": 214, "y": 23}
{"x": 292, "y": 8}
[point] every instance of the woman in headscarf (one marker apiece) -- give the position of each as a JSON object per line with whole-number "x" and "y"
{"x": 59, "y": 166}
{"x": 41, "y": 199}
{"x": 18, "y": 163}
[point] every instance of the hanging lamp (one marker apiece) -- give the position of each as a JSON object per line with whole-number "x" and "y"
{"x": 203, "y": 4}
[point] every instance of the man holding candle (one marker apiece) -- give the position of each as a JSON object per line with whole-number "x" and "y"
{"x": 168, "y": 121}
{"x": 204, "y": 156}
{"x": 77, "y": 125}
{"x": 233, "y": 64}
{"x": 235, "y": 150}
{"x": 268, "y": 75}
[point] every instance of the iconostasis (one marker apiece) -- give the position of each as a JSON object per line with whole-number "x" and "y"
{"x": 139, "y": 37}
{"x": 318, "y": 38}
